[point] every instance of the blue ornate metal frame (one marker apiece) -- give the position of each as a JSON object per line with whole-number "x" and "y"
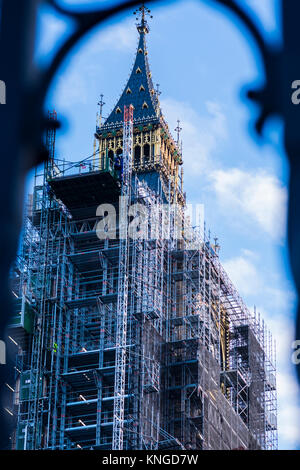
{"x": 23, "y": 121}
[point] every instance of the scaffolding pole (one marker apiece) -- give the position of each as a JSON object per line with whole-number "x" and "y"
{"x": 121, "y": 333}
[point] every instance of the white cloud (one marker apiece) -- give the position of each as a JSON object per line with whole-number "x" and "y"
{"x": 121, "y": 36}
{"x": 249, "y": 254}
{"x": 246, "y": 274}
{"x": 250, "y": 196}
{"x": 257, "y": 195}
{"x": 289, "y": 428}
{"x": 73, "y": 84}
{"x": 284, "y": 299}
{"x": 201, "y": 134}
{"x": 243, "y": 274}
{"x": 71, "y": 89}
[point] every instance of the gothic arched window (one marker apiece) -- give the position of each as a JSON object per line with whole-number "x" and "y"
{"x": 137, "y": 155}
{"x": 146, "y": 151}
{"x": 111, "y": 155}
{"x": 102, "y": 160}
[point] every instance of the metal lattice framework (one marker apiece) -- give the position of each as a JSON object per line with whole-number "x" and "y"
{"x": 186, "y": 331}
{"x": 122, "y": 303}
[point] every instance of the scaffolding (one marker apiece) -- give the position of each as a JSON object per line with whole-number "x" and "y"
{"x": 123, "y": 274}
{"x": 133, "y": 341}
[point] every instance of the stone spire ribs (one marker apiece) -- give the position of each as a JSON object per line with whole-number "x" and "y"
{"x": 139, "y": 90}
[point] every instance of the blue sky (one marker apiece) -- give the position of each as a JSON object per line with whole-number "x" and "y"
{"x": 202, "y": 62}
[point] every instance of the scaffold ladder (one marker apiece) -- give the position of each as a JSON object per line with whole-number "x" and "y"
{"x": 122, "y": 301}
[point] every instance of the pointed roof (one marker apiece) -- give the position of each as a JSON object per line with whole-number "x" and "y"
{"x": 139, "y": 90}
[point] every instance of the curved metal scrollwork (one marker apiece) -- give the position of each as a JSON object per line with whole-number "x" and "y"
{"x": 22, "y": 121}
{"x": 265, "y": 96}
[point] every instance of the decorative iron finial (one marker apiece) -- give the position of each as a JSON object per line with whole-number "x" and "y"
{"x": 141, "y": 14}
{"x": 158, "y": 92}
{"x": 178, "y": 130}
{"x": 100, "y": 104}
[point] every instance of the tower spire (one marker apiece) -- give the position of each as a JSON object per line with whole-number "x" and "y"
{"x": 139, "y": 90}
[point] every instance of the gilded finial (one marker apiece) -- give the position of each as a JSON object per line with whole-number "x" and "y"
{"x": 141, "y": 15}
